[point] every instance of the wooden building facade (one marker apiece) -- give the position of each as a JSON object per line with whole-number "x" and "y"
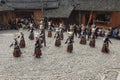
{"x": 104, "y": 13}
{"x": 26, "y": 9}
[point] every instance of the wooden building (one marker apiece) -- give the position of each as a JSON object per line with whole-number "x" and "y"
{"x": 5, "y": 11}
{"x": 30, "y": 8}
{"x": 104, "y": 13}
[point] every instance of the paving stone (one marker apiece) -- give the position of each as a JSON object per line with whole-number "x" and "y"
{"x": 84, "y": 63}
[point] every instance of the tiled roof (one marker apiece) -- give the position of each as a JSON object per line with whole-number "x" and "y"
{"x": 4, "y": 7}
{"x": 32, "y": 4}
{"x": 61, "y": 12}
{"x": 97, "y": 5}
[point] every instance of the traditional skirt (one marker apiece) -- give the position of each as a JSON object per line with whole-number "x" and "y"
{"x": 92, "y": 43}
{"x": 57, "y": 43}
{"x": 49, "y": 34}
{"x": 105, "y": 48}
{"x": 22, "y": 43}
{"x": 37, "y": 52}
{"x": 31, "y": 36}
{"x": 83, "y": 40}
{"x": 17, "y": 52}
{"x": 70, "y": 48}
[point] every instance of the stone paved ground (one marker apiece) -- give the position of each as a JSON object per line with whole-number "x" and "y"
{"x": 84, "y": 63}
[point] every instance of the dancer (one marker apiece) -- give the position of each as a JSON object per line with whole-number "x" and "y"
{"x": 105, "y": 48}
{"x": 22, "y": 40}
{"x": 83, "y": 35}
{"x": 92, "y": 38}
{"x": 31, "y": 36}
{"x": 49, "y": 29}
{"x": 17, "y": 52}
{"x": 37, "y": 51}
{"x": 58, "y": 38}
{"x": 61, "y": 31}
{"x": 70, "y": 42}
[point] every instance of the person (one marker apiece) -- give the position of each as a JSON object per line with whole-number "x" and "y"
{"x": 92, "y": 38}
{"x": 83, "y": 35}
{"x": 49, "y": 29}
{"x": 37, "y": 50}
{"x": 119, "y": 34}
{"x": 58, "y": 38}
{"x": 61, "y": 31}
{"x": 17, "y": 52}
{"x": 22, "y": 40}
{"x": 106, "y": 41}
{"x": 70, "y": 42}
{"x": 78, "y": 29}
{"x": 31, "y": 29}
{"x": 41, "y": 38}
{"x": 72, "y": 30}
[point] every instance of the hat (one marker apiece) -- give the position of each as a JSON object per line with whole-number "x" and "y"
{"x": 70, "y": 33}
{"x": 31, "y": 25}
{"x": 60, "y": 25}
{"x": 57, "y": 29}
{"x": 41, "y": 26}
{"x": 106, "y": 33}
{"x": 93, "y": 29}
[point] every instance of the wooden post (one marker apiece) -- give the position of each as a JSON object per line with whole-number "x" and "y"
{"x": 43, "y": 23}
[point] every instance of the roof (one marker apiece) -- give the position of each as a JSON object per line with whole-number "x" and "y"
{"x": 61, "y": 12}
{"x": 32, "y": 4}
{"x": 97, "y": 5}
{"x": 4, "y": 7}
{"x": 94, "y": 5}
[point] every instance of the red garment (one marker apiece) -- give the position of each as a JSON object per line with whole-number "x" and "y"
{"x": 17, "y": 53}
{"x": 22, "y": 44}
{"x": 49, "y": 34}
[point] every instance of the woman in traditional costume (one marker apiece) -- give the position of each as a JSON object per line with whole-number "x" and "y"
{"x": 92, "y": 38}
{"x": 22, "y": 40}
{"x": 83, "y": 36}
{"x": 31, "y": 36}
{"x": 61, "y": 31}
{"x": 58, "y": 38}
{"x": 37, "y": 51}
{"x": 105, "y": 48}
{"x": 70, "y": 41}
{"x": 17, "y": 52}
{"x": 49, "y": 29}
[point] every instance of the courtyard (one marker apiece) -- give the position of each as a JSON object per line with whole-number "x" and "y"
{"x": 85, "y": 63}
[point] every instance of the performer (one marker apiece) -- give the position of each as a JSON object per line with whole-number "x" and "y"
{"x": 31, "y": 36}
{"x": 17, "y": 52}
{"x": 70, "y": 42}
{"x": 37, "y": 51}
{"x": 41, "y": 38}
{"x": 49, "y": 29}
{"x": 105, "y": 48}
{"x": 83, "y": 36}
{"x": 92, "y": 38}
{"x": 22, "y": 40}
{"x": 61, "y": 31}
{"x": 58, "y": 38}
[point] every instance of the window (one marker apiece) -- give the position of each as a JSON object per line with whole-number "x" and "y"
{"x": 103, "y": 19}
